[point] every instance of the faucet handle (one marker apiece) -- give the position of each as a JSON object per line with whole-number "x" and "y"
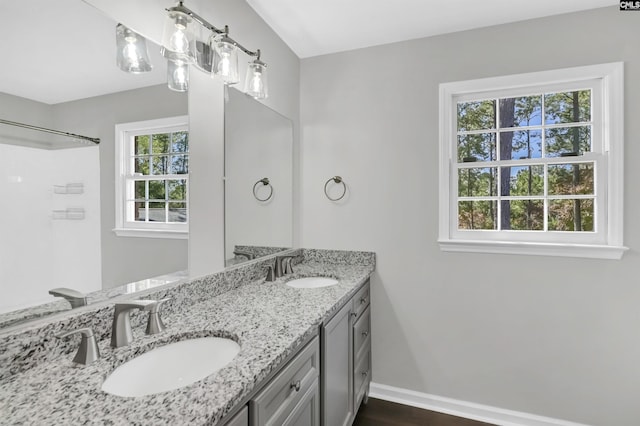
{"x": 271, "y": 276}
{"x": 154, "y": 323}
{"x": 74, "y": 297}
{"x": 88, "y": 350}
{"x": 288, "y": 269}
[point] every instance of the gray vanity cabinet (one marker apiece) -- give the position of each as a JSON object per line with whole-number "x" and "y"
{"x": 346, "y": 360}
{"x": 326, "y": 381}
{"x": 292, "y": 397}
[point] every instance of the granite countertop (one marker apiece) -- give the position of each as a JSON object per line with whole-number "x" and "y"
{"x": 269, "y": 320}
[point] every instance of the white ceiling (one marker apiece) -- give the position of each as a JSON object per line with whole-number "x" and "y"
{"x": 318, "y": 27}
{"x": 62, "y": 50}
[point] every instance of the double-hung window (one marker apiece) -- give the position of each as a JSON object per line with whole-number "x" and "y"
{"x": 152, "y": 170}
{"x": 532, "y": 163}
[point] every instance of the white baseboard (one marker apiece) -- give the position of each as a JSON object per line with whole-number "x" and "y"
{"x": 469, "y": 410}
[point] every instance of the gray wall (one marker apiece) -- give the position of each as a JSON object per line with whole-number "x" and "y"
{"x": 557, "y": 337}
{"x": 125, "y": 259}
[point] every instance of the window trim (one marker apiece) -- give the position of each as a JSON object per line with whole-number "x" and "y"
{"x": 612, "y": 81}
{"x": 122, "y": 229}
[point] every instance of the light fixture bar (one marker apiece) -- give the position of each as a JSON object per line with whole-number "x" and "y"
{"x": 182, "y": 8}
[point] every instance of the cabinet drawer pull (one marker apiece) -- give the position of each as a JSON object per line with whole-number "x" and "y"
{"x": 354, "y": 314}
{"x": 363, "y": 300}
{"x": 365, "y": 373}
{"x": 365, "y": 333}
{"x": 295, "y": 385}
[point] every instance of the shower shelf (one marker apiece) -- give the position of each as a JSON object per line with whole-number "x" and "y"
{"x": 70, "y": 188}
{"x": 76, "y": 213}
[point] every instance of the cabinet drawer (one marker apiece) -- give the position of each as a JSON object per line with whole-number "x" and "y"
{"x": 273, "y": 404}
{"x": 361, "y": 376}
{"x": 361, "y": 334}
{"x": 361, "y": 300}
{"x": 307, "y": 411}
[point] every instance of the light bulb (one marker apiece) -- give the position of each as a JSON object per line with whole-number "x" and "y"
{"x": 179, "y": 42}
{"x": 224, "y": 67}
{"x": 256, "y": 83}
{"x": 180, "y": 75}
{"x": 130, "y": 53}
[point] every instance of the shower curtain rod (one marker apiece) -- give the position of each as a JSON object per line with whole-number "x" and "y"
{"x": 55, "y": 132}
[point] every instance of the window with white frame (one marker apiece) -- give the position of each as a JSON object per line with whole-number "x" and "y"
{"x": 532, "y": 163}
{"x": 152, "y": 174}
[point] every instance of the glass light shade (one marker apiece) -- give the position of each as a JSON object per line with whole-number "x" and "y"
{"x": 255, "y": 83}
{"x": 225, "y": 59}
{"x": 131, "y": 51}
{"x": 178, "y": 76}
{"x": 177, "y": 37}
{"x": 201, "y": 49}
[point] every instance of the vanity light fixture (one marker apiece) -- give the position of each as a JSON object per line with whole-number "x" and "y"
{"x": 188, "y": 39}
{"x": 131, "y": 54}
{"x": 218, "y": 54}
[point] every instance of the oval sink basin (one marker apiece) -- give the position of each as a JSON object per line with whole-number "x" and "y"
{"x": 312, "y": 282}
{"x": 171, "y": 366}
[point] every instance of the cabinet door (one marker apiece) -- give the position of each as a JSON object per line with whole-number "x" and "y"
{"x": 307, "y": 411}
{"x": 337, "y": 369}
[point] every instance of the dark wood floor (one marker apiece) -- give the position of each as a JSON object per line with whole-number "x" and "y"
{"x": 383, "y": 413}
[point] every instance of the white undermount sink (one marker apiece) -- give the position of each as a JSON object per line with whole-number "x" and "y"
{"x": 312, "y": 282}
{"x": 171, "y": 366}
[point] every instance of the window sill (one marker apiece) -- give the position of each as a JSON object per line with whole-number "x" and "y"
{"x": 151, "y": 233}
{"x": 534, "y": 249}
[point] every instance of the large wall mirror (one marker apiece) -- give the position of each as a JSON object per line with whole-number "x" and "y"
{"x": 258, "y": 151}
{"x": 58, "y": 194}
{"x": 56, "y": 233}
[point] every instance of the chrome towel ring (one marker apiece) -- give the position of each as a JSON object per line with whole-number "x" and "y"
{"x": 336, "y": 179}
{"x": 265, "y": 182}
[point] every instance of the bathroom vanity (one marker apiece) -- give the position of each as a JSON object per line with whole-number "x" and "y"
{"x": 304, "y": 352}
{"x": 326, "y": 380}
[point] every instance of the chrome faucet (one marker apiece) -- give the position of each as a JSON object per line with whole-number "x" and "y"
{"x": 248, "y": 255}
{"x": 74, "y": 297}
{"x": 121, "y": 334}
{"x": 88, "y": 350}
